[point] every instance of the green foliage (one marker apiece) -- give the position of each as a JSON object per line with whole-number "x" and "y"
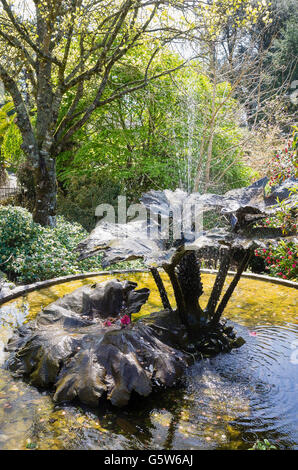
{"x": 11, "y": 147}
{"x": 281, "y": 260}
{"x": 285, "y": 163}
{"x": 263, "y": 445}
{"x": 32, "y": 253}
{"x": 6, "y": 120}
{"x": 84, "y": 194}
{"x": 150, "y": 140}
{"x": 284, "y": 51}
{"x": 286, "y": 215}
{"x": 11, "y": 154}
{"x": 31, "y": 445}
{"x": 295, "y": 138}
{"x": 128, "y": 142}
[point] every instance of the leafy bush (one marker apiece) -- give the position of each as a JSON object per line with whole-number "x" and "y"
{"x": 83, "y": 195}
{"x": 30, "y": 252}
{"x": 286, "y": 215}
{"x": 157, "y": 139}
{"x": 263, "y": 445}
{"x": 281, "y": 260}
{"x": 284, "y": 164}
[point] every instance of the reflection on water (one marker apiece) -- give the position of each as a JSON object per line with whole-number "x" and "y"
{"x": 227, "y": 402}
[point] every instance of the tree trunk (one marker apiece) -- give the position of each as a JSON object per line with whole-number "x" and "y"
{"x": 46, "y": 191}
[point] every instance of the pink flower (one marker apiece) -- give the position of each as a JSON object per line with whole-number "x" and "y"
{"x": 125, "y": 320}
{"x": 107, "y": 323}
{"x": 294, "y": 265}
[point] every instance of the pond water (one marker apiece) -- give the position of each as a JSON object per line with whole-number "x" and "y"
{"x": 227, "y": 402}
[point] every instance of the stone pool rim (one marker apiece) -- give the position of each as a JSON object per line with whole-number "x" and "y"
{"x": 24, "y": 290}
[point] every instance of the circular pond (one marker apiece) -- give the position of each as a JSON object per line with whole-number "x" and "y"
{"x": 227, "y": 402}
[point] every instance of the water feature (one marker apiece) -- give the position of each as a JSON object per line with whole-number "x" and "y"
{"x": 222, "y": 399}
{"x": 226, "y": 402}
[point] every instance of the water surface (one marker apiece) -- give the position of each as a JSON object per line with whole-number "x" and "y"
{"x": 227, "y": 402}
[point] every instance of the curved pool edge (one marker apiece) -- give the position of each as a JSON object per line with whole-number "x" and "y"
{"x": 23, "y": 290}
{"x": 259, "y": 277}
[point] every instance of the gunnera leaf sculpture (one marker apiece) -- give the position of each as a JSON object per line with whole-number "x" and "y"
{"x": 72, "y": 348}
{"x": 167, "y": 248}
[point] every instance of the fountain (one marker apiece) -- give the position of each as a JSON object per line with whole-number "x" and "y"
{"x": 85, "y": 347}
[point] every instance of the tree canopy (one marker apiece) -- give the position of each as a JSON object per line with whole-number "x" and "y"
{"x": 110, "y": 71}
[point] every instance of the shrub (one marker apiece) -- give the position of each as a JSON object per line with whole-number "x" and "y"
{"x": 286, "y": 215}
{"x": 30, "y": 252}
{"x": 83, "y": 195}
{"x": 281, "y": 260}
{"x": 284, "y": 164}
{"x": 263, "y": 445}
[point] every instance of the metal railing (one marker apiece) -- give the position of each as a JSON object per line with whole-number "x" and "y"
{"x": 7, "y": 191}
